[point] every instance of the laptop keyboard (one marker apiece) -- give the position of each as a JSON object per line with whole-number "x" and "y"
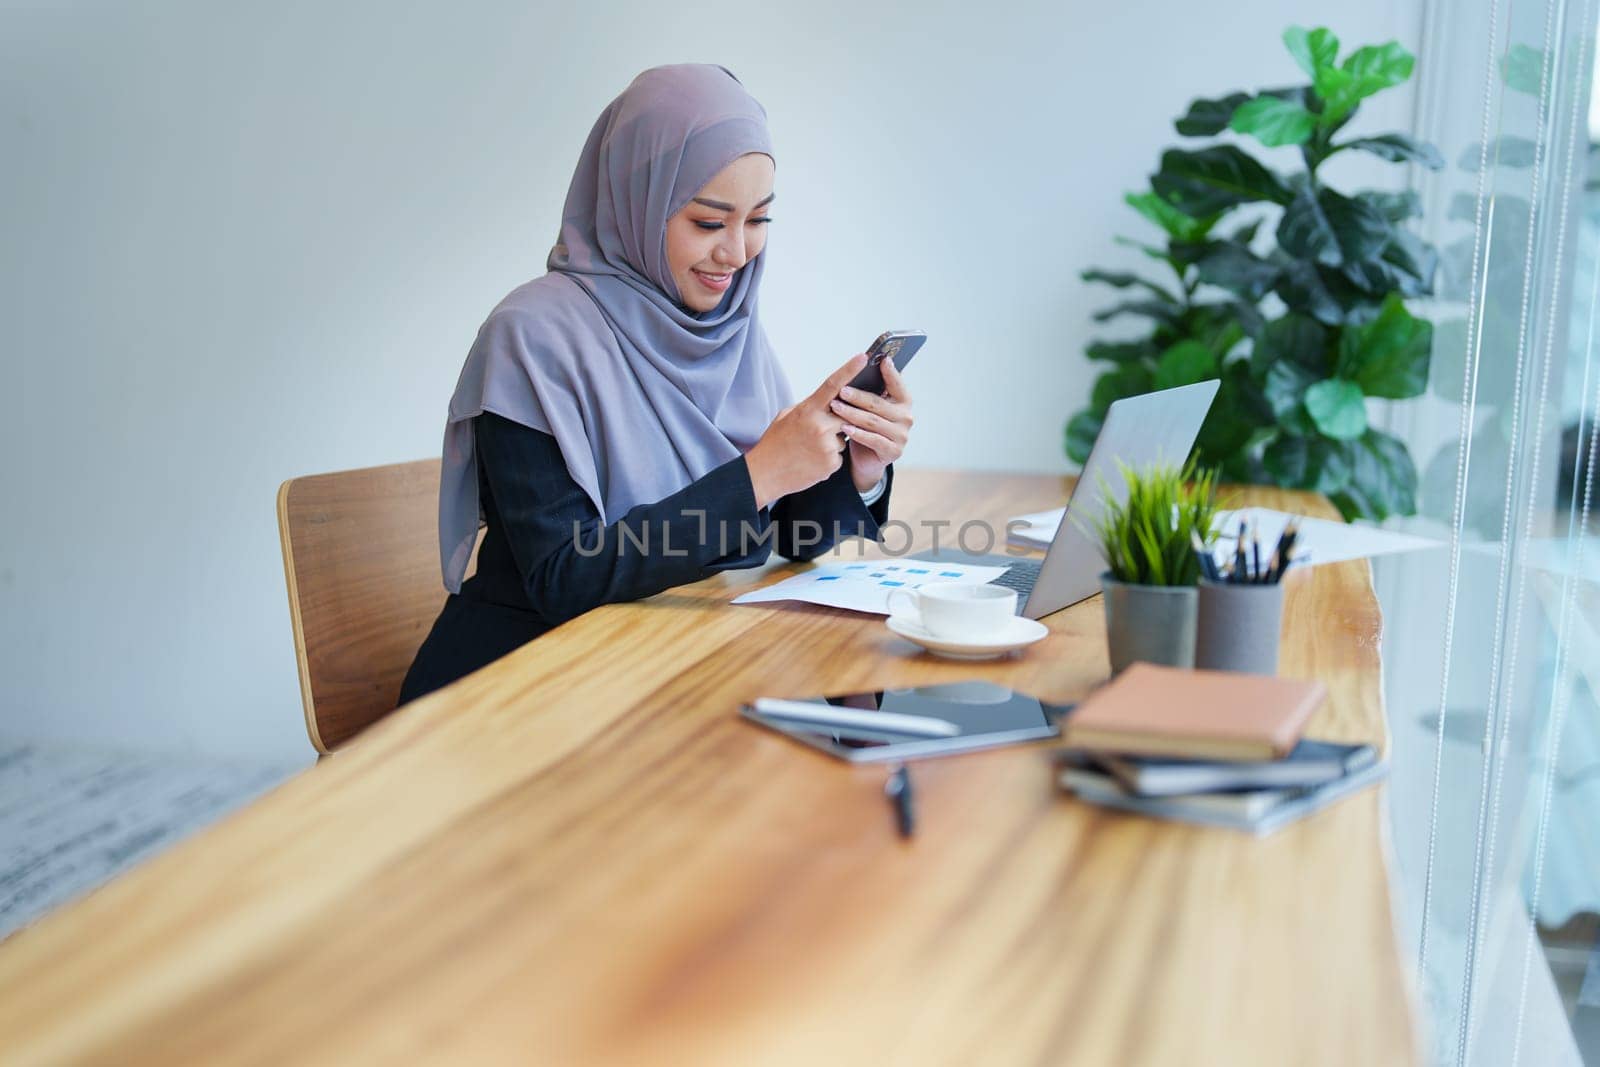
{"x": 1020, "y": 576}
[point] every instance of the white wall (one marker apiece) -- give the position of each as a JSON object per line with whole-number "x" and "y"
{"x": 243, "y": 245}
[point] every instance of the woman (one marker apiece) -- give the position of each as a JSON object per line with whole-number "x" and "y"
{"x": 621, "y": 425}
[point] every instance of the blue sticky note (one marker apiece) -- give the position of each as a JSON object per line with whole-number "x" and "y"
{"x": 916, "y": 570}
{"x": 949, "y": 574}
{"x": 876, "y": 574}
{"x": 887, "y": 581}
{"x": 827, "y": 577}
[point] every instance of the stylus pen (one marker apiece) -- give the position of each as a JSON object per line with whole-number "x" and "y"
{"x": 898, "y": 790}
{"x": 829, "y": 715}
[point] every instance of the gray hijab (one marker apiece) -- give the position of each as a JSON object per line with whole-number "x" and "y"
{"x": 642, "y": 395}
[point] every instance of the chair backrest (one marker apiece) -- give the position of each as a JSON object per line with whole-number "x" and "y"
{"x": 361, "y": 560}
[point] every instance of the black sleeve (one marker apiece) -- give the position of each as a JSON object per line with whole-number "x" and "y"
{"x": 812, "y": 521}
{"x": 569, "y": 561}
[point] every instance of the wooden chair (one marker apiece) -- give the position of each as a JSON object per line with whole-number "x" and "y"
{"x": 361, "y": 560}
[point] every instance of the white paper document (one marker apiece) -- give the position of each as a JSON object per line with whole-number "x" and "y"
{"x": 1323, "y": 540}
{"x": 1037, "y": 528}
{"x": 865, "y": 585}
{"x": 1319, "y": 540}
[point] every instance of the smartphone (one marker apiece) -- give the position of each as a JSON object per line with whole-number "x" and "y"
{"x": 898, "y": 345}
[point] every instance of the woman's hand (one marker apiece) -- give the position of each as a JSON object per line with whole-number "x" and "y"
{"x": 804, "y": 444}
{"x": 878, "y": 426}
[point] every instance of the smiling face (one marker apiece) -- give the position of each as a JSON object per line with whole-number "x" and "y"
{"x": 720, "y": 230}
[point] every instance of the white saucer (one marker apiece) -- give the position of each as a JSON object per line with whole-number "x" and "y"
{"x": 1019, "y": 633}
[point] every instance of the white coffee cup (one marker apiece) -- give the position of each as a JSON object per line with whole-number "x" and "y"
{"x": 958, "y": 611}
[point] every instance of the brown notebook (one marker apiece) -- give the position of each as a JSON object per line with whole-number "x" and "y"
{"x": 1218, "y": 715}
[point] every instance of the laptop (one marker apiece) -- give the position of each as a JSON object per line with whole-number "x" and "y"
{"x": 1138, "y": 431}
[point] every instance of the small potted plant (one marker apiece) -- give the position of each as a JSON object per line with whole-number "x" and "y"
{"x": 1147, "y": 538}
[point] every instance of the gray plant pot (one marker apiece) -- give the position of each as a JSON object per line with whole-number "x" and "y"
{"x": 1239, "y": 627}
{"x": 1149, "y": 623}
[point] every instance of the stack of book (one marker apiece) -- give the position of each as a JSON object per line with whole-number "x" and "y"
{"x": 1209, "y": 747}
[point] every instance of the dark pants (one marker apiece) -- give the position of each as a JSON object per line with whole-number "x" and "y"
{"x": 468, "y": 634}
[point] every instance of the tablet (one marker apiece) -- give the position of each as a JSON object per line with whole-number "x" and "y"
{"x": 898, "y": 724}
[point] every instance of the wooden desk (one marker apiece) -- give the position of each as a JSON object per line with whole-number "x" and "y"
{"x": 580, "y": 854}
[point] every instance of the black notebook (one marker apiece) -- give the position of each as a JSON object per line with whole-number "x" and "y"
{"x": 1259, "y": 811}
{"x": 1309, "y": 763}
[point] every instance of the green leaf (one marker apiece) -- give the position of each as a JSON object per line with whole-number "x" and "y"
{"x": 1235, "y": 268}
{"x": 1338, "y": 92}
{"x": 1382, "y": 480}
{"x": 1215, "y": 179}
{"x": 1207, "y": 118}
{"x": 1248, "y": 316}
{"x": 1305, "y": 232}
{"x": 1296, "y": 423}
{"x": 1122, "y": 280}
{"x": 1246, "y": 233}
{"x": 1179, "y": 226}
{"x": 1185, "y": 363}
{"x": 1330, "y": 228}
{"x": 1082, "y": 429}
{"x": 1396, "y": 207}
{"x": 1388, "y": 357}
{"x": 1338, "y": 408}
{"x": 1382, "y": 66}
{"x": 1117, "y": 278}
{"x": 1206, "y": 322}
{"x": 1186, "y": 253}
{"x": 1314, "y": 463}
{"x": 1292, "y": 339}
{"x": 1407, "y": 266}
{"x": 1121, "y": 351}
{"x": 1237, "y": 413}
{"x": 1284, "y": 388}
{"x": 1217, "y": 326}
{"x": 1131, "y": 379}
{"x": 1312, "y": 49}
{"x": 1523, "y": 69}
{"x": 1303, "y": 288}
{"x": 1274, "y": 122}
{"x": 1397, "y": 148}
{"x": 1366, "y": 71}
{"x": 1222, "y": 338}
{"x": 1160, "y": 310}
{"x": 1245, "y": 466}
{"x": 1149, "y": 250}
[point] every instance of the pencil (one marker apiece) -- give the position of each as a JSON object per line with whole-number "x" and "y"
{"x": 1238, "y": 554}
{"x": 1208, "y": 565}
{"x": 1285, "y": 546}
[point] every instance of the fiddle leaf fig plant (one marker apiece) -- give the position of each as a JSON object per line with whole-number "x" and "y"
{"x": 1287, "y": 291}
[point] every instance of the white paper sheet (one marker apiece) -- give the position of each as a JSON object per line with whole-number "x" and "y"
{"x": 1320, "y": 540}
{"x": 1039, "y": 531}
{"x": 1324, "y": 540}
{"x": 865, "y": 585}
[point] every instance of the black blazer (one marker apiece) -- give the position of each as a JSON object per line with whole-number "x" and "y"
{"x": 548, "y": 556}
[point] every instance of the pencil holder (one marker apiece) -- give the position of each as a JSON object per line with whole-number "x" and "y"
{"x": 1238, "y": 627}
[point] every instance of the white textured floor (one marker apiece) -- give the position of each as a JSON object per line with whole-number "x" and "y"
{"x": 71, "y": 818}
